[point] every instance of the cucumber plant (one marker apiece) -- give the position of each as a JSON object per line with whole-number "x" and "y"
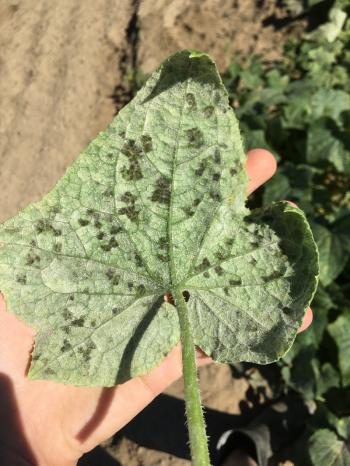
{"x": 156, "y": 205}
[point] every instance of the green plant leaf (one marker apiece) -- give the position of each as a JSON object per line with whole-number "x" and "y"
{"x": 333, "y": 253}
{"x": 340, "y": 330}
{"x": 326, "y": 449}
{"x": 323, "y": 145}
{"x": 157, "y": 203}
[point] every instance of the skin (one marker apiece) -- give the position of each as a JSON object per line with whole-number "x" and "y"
{"x": 43, "y": 423}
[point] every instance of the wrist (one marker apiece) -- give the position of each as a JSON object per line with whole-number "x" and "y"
{"x": 11, "y": 457}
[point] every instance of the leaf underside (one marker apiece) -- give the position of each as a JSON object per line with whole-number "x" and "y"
{"x": 157, "y": 201}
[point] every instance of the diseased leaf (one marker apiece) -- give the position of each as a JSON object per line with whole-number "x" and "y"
{"x": 326, "y": 449}
{"x": 155, "y": 202}
{"x": 340, "y": 331}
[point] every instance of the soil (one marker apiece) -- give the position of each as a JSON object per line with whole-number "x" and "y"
{"x": 63, "y": 67}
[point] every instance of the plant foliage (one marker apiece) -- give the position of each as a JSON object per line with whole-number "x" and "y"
{"x": 299, "y": 108}
{"x": 156, "y": 205}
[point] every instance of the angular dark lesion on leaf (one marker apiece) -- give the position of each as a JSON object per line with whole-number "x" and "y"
{"x": 66, "y": 346}
{"x": 205, "y": 264}
{"x": 195, "y": 138}
{"x": 235, "y": 281}
{"x": 128, "y": 198}
{"x": 200, "y": 169}
{"x": 43, "y": 225}
{"x": 83, "y": 222}
{"x": 56, "y": 231}
{"x": 113, "y": 243}
{"x": 252, "y": 261}
{"x": 67, "y": 314}
{"x": 191, "y": 101}
{"x": 115, "y": 229}
{"x": 219, "y": 270}
{"x": 113, "y": 277}
{"x": 217, "y": 97}
{"x": 161, "y": 192}
{"x": 57, "y": 247}
{"x": 215, "y": 196}
{"x": 229, "y": 242}
{"x": 276, "y": 274}
{"x": 79, "y": 322}
{"x": 140, "y": 290}
{"x": 188, "y": 211}
{"x": 217, "y": 156}
{"x": 208, "y": 111}
{"x": 163, "y": 242}
{"x": 132, "y": 173}
{"x": 146, "y": 142}
{"x": 133, "y": 152}
{"x": 21, "y": 278}
{"x": 32, "y": 258}
{"x": 100, "y": 235}
{"x": 86, "y": 350}
{"x": 220, "y": 255}
{"x": 108, "y": 192}
{"x": 56, "y": 209}
{"x": 138, "y": 260}
{"x": 131, "y": 149}
{"x": 130, "y": 210}
{"x": 97, "y": 223}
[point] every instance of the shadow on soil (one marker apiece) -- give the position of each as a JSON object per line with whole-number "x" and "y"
{"x": 161, "y": 426}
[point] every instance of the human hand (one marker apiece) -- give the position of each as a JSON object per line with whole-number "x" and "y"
{"x": 47, "y": 424}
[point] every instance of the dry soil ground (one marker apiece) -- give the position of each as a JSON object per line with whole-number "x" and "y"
{"x": 62, "y": 66}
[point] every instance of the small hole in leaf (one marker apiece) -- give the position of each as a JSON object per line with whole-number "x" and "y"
{"x": 168, "y": 297}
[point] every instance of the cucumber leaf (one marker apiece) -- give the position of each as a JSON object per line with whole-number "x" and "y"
{"x": 326, "y": 449}
{"x": 339, "y": 330}
{"x": 157, "y": 201}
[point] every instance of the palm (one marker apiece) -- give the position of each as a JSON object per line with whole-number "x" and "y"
{"x": 61, "y": 422}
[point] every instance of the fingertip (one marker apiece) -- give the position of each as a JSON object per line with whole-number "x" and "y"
{"x": 307, "y": 321}
{"x": 261, "y": 166}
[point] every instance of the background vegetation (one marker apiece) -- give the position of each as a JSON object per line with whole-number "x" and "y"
{"x": 299, "y": 109}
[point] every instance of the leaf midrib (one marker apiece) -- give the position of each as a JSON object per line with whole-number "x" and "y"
{"x": 173, "y": 281}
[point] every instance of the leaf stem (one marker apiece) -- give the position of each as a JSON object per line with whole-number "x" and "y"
{"x": 194, "y": 412}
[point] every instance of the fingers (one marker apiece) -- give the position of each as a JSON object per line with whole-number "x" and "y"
{"x": 2, "y": 303}
{"x": 261, "y": 166}
{"x": 308, "y": 318}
